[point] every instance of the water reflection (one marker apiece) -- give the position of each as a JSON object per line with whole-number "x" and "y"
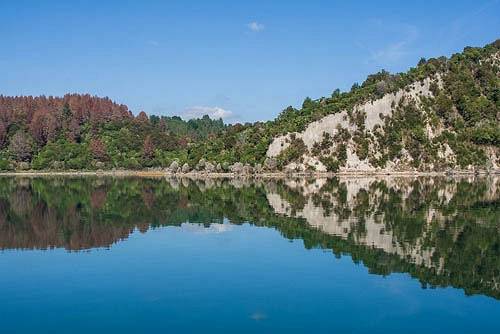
{"x": 443, "y": 231}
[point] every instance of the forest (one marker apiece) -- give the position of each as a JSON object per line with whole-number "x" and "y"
{"x": 80, "y": 132}
{"x": 84, "y": 132}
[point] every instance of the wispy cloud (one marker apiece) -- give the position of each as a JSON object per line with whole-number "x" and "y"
{"x": 152, "y": 42}
{"x": 255, "y": 26}
{"x": 391, "y": 52}
{"x": 213, "y": 112}
{"x": 398, "y": 49}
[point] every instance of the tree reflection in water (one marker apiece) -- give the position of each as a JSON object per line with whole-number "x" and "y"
{"x": 443, "y": 231}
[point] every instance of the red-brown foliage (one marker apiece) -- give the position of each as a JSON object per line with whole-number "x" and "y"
{"x": 148, "y": 148}
{"x": 44, "y": 115}
{"x": 21, "y": 146}
{"x": 142, "y": 117}
{"x": 44, "y": 126}
{"x": 3, "y": 135}
{"x": 98, "y": 149}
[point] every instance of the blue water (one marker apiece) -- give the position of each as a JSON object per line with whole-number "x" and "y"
{"x": 236, "y": 279}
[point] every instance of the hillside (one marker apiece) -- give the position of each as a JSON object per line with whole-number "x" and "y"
{"x": 443, "y": 114}
{"x": 87, "y": 132}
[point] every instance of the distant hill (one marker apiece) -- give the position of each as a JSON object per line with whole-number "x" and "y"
{"x": 442, "y": 114}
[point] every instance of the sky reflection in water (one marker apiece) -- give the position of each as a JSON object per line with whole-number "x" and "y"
{"x": 235, "y": 255}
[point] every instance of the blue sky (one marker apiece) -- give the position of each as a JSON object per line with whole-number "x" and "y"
{"x": 244, "y": 60}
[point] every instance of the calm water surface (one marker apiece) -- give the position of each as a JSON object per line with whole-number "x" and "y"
{"x": 359, "y": 255}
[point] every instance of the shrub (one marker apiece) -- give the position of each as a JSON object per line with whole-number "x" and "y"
{"x": 331, "y": 164}
{"x": 72, "y": 155}
{"x": 487, "y": 134}
{"x": 293, "y": 152}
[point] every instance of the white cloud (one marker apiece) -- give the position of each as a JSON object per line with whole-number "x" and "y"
{"x": 255, "y": 26}
{"x": 213, "y": 112}
{"x": 202, "y": 229}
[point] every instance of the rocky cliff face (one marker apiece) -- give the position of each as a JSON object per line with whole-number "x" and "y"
{"x": 422, "y": 126}
{"x": 373, "y": 113}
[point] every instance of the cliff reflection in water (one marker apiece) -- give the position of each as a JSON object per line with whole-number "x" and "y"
{"x": 442, "y": 231}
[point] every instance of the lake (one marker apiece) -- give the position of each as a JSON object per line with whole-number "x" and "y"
{"x": 339, "y": 255}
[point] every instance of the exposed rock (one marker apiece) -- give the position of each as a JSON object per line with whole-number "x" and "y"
{"x": 201, "y": 164}
{"x": 236, "y": 168}
{"x": 209, "y": 167}
{"x": 219, "y": 167}
{"x": 247, "y": 169}
{"x": 294, "y": 167}
{"x": 57, "y": 165}
{"x": 23, "y": 165}
{"x": 270, "y": 164}
{"x": 185, "y": 168}
{"x": 373, "y": 113}
{"x": 174, "y": 167}
{"x": 98, "y": 165}
{"x": 258, "y": 168}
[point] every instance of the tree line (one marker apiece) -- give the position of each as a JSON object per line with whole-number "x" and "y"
{"x": 84, "y": 132}
{"x": 88, "y": 132}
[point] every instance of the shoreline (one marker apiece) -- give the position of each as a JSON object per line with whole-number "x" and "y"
{"x": 263, "y": 175}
